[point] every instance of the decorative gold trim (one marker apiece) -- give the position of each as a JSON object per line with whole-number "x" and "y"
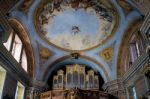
{"x": 125, "y": 6}
{"x": 45, "y": 54}
{"x": 145, "y": 69}
{"x": 25, "y": 5}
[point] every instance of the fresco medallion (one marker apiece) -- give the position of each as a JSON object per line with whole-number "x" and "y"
{"x": 75, "y": 25}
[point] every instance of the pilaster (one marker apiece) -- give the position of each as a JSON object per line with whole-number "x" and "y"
{"x": 36, "y": 88}
{"x": 115, "y": 88}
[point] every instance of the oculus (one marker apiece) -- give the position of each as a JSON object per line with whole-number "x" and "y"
{"x": 76, "y": 25}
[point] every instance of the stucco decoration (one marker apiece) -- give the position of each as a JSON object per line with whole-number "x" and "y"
{"x": 76, "y": 25}
{"x": 125, "y": 6}
{"x": 25, "y": 5}
{"x": 45, "y": 54}
{"x": 107, "y": 53}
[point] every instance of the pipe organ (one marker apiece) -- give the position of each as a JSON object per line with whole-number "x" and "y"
{"x": 75, "y": 82}
{"x": 75, "y": 77}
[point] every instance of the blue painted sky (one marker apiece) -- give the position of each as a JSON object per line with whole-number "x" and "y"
{"x": 63, "y": 22}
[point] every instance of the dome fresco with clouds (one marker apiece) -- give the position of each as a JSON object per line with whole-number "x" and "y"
{"x": 76, "y": 25}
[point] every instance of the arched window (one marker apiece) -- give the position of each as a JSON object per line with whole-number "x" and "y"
{"x": 134, "y": 93}
{"x": 134, "y": 49}
{"x": 19, "y": 91}
{"x": 24, "y": 60}
{"x": 126, "y": 63}
{"x": 2, "y": 79}
{"x": 9, "y": 41}
{"x": 15, "y": 46}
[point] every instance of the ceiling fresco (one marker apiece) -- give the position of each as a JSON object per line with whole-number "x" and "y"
{"x": 76, "y": 25}
{"x": 92, "y": 28}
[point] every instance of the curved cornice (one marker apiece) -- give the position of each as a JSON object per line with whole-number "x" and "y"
{"x": 105, "y": 74}
{"x": 130, "y": 30}
{"x": 112, "y": 8}
{"x": 22, "y": 33}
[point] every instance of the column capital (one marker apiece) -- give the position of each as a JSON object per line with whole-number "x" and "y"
{"x": 116, "y": 88}
{"x": 39, "y": 85}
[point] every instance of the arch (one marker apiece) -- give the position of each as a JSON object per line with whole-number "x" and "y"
{"x": 23, "y": 35}
{"x": 88, "y": 61}
{"x": 130, "y": 31}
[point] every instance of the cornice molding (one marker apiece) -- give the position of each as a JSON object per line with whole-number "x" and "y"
{"x": 13, "y": 67}
{"x": 145, "y": 68}
{"x": 115, "y": 87}
{"x": 144, "y": 27}
{"x": 39, "y": 85}
{"x": 4, "y": 24}
{"x": 137, "y": 65}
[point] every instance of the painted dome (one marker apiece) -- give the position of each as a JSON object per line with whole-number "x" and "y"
{"x": 75, "y": 25}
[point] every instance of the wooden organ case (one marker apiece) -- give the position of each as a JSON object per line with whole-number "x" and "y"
{"x": 75, "y": 83}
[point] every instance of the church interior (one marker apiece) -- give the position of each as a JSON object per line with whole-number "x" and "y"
{"x": 75, "y": 49}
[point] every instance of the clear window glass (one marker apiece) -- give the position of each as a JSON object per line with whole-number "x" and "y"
{"x": 9, "y": 41}
{"x": 134, "y": 51}
{"x": 134, "y": 93}
{"x": 137, "y": 49}
{"x": 19, "y": 91}
{"x": 24, "y": 61}
{"x": 17, "y": 46}
{"x": 126, "y": 63}
{"x": 2, "y": 79}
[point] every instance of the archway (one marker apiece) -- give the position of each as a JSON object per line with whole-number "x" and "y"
{"x": 23, "y": 35}
{"x": 83, "y": 60}
{"x": 124, "y": 52}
